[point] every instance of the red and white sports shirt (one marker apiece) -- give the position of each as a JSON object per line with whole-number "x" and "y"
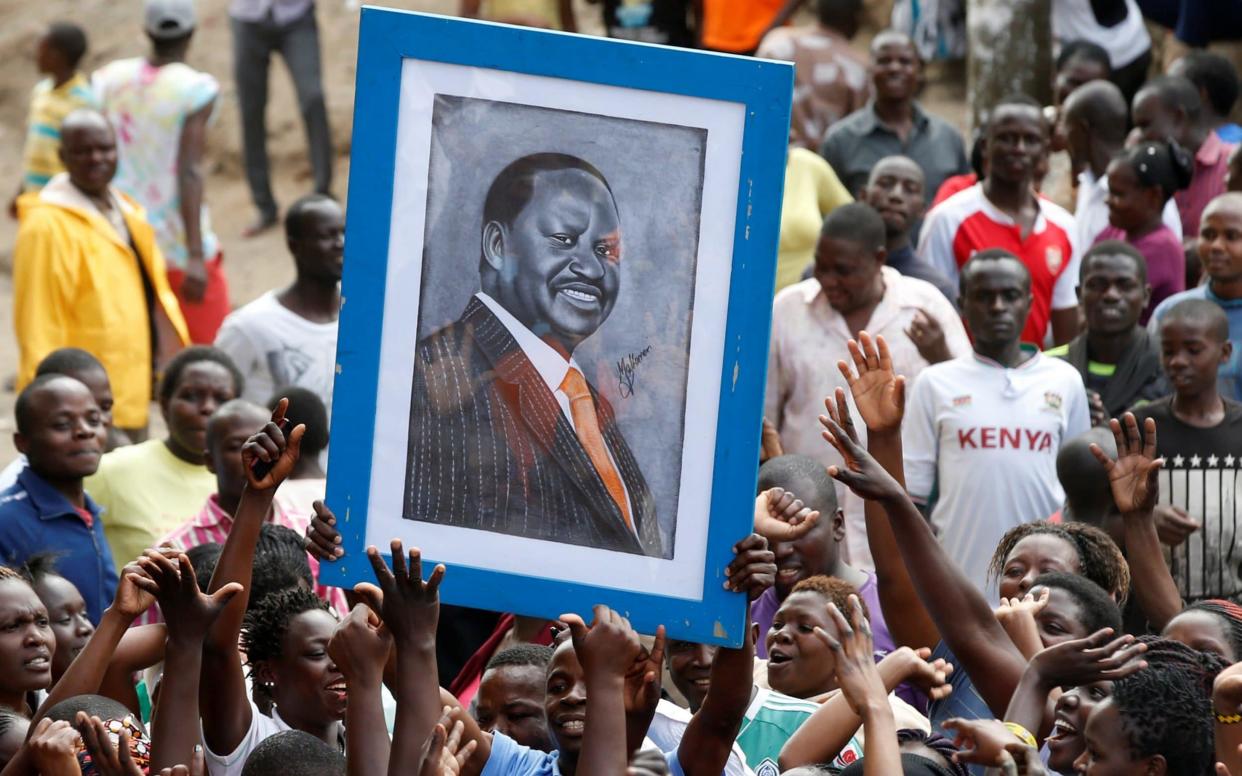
{"x": 968, "y": 222}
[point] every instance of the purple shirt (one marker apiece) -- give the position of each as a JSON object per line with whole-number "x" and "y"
{"x": 1208, "y": 182}
{"x": 764, "y": 609}
{"x": 1166, "y": 262}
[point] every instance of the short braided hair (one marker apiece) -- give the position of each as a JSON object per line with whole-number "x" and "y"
{"x": 267, "y": 622}
{"x": 1099, "y": 559}
{"x": 937, "y": 743}
{"x": 1166, "y": 708}
{"x": 1230, "y": 615}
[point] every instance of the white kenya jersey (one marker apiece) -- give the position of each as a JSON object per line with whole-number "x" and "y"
{"x": 985, "y": 438}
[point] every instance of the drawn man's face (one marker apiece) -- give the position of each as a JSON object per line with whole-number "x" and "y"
{"x": 559, "y": 260}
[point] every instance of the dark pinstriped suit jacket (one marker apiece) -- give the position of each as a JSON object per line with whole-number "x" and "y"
{"x": 490, "y": 448}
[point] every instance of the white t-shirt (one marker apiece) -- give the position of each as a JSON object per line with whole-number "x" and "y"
{"x": 261, "y": 728}
{"x": 275, "y": 347}
{"x": 986, "y": 437}
{"x": 669, "y": 725}
{"x": 1125, "y": 41}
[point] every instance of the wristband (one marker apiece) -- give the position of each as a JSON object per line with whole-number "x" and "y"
{"x": 1228, "y": 719}
{"x": 1022, "y": 733}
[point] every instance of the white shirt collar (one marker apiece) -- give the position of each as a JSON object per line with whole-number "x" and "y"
{"x": 550, "y": 365}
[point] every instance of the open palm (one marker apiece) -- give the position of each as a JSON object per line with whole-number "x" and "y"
{"x": 1133, "y": 475}
{"x": 879, "y": 394}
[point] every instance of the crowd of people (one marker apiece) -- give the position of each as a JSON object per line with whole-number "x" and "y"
{"x": 996, "y": 524}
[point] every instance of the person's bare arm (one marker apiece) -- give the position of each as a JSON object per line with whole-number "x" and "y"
{"x": 188, "y": 613}
{"x": 1134, "y": 480}
{"x": 190, "y": 151}
{"x": 470, "y": 8}
{"x": 1227, "y": 700}
{"x": 962, "y": 614}
{"x": 410, "y": 609}
{"x": 359, "y": 647}
{"x": 565, "y": 9}
{"x": 141, "y": 647}
{"x": 879, "y": 394}
{"x": 1098, "y": 657}
{"x": 1064, "y": 325}
{"x": 606, "y": 650}
{"x": 863, "y": 689}
{"x": 84, "y": 674}
{"x": 826, "y": 732}
{"x": 225, "y": 707}
{"x": 708, "y": 739}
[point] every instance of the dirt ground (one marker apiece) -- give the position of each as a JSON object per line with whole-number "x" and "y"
{"x": 255, "y": 265}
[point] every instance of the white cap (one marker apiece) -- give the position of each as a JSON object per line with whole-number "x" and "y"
{"x": 169, "y": 19}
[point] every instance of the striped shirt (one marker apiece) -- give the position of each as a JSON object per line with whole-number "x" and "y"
{"x": 212, "y": 524}
{"x": 49, "y": 105}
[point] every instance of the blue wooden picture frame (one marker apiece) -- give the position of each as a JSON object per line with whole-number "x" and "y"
{"x": 386, "y": 38}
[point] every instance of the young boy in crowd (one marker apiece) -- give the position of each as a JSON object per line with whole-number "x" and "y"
{"x": 510, "y": 697}
{"x": 1220, "y": 252}
{"x": 64, "y": 90}
{"x": 61, "y": 431}
{"x": 86, "y": 369}
{"x": 1198, "y": 440}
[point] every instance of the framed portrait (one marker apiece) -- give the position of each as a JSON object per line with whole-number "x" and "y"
{"x": 560, "y": 256}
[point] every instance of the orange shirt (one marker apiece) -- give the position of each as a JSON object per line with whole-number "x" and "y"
{"x": 737, "y": 25}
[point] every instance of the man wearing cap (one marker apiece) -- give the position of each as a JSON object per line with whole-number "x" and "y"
{"x": 160, "y": 107}
{"x": 261, "y": 28}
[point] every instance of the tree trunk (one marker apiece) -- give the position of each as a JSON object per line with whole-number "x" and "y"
{"x": 1009, "y": 52}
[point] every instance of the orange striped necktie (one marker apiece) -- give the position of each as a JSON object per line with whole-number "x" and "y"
{"x": 586, "y": 424}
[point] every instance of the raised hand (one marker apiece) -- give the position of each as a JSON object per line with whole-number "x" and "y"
{"x": 643, "y": 679}
{"x": 360, "y": 646}
{"x": 753, "y": 568}
{"x": 782, "y": 517}
{"x": 322, "y": 539}
{"x": 1092, "y": 659}
{"x": 608, "y": 646}
{"x": 983, "y": 742}
{"x": 131, "y": 598}
{"x": 928, "y": 336}
{"x": 1227, "y": 689}
{"x": 409, "y": 607}
{"x": 455, "y": 755}
{"x": 53, "y": 748}
{"x": 862, "y": 474}
{"x": 108, "y": 760}
{"x": 914, "y": 667}
{"x": 188, "y": 612}
{"x": 270, "y": 448}
{"x": 1133, "y": 476}
{"x": 854, "y": 650}
{"x": 879, "y": 394}
{"x": 1027, "y": 605}
{"x": 1174, "y": 525}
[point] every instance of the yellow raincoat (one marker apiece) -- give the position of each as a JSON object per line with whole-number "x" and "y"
{"x": 77, "y": 283}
